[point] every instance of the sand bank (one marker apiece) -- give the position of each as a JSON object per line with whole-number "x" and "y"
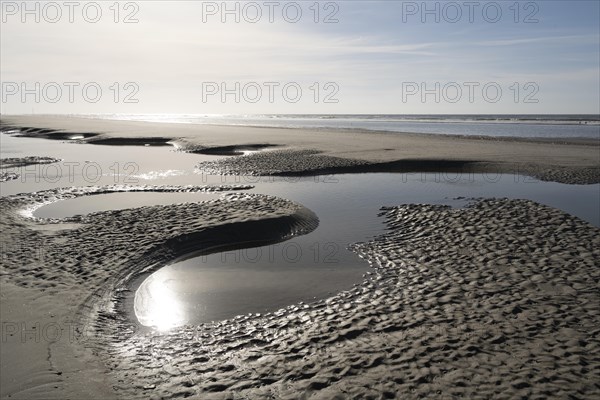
{"x": 17, "y": 162}
{"x": 495, "y": 300}
{"x": 67, "y": 274}
{"x": 326, "y": 151}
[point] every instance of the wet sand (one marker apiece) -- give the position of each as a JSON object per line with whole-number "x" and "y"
{"x": 495, "y": 300}
{"x": 499, "y": 299}
{"x": 465, "y": 303}
{"x": 328, "y": 151}
{"x": 76, "y": 267}
{"x": 18, "y": 162}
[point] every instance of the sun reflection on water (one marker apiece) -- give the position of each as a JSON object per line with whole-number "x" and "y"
{"x": 157, "y": 305}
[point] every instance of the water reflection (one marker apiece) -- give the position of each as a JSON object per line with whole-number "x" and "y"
{"x": 267, "y": 278}
{"x": 157, "y": 303}
{"x": 118, "y": 201}
{"x": 255, "y": 280}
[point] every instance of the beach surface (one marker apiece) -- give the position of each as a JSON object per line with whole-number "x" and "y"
{"x": 77, "y": 267}
{"x": 466, "y": 302}
{"x": 498, "y": 299}
{"x": 307, "y": 151}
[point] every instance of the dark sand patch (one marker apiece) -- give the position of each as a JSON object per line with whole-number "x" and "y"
{"x": 16, "y": 162}
{"x": 312, "y": 162}
{"x": 53, "y": 134}
{"x": 8, "y": 176}
{"x": 279, "y": 162}
{"x": 19, "y": 162}
{"x": 134, "y": 141}
{"x": 82, "y": 137}
{"x": 235, "y": 150}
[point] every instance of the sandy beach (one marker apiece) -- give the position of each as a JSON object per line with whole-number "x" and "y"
{"x": 497, "y": 299}
{"x": 67, "y": 256}
{"x": 313, "y": 151}
{"x": 336, "y": 200}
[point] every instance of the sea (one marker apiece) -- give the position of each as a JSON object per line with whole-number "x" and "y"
{"x": 505, "y": 125}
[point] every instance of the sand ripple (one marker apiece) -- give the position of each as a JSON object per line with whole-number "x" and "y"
{"x": 499, "y": 299}
{"x": 312, "y": 162}
{"x": 278, "y": 162}
{"x": 496, "y": 300}
{"x": 19, "y": 162}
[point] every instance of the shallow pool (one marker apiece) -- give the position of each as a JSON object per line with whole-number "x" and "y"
{"x": 117, "y": 201}
{"x": 304, "y": 268}
{"x": 223, "y": 285}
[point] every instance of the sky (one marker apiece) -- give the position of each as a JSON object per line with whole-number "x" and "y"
{"x": 326, "y": 57}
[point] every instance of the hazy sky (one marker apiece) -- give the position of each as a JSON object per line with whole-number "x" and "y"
{"x": 358, "y": 57}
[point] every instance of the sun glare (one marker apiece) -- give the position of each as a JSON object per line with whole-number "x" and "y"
{"x": 157, "y": 305}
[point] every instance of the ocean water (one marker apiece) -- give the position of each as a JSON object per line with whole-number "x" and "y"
{"x": 530, "y": 126}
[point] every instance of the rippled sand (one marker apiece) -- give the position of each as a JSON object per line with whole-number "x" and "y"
{"x": 79, "y": 266}
{"x": 18, "y": 162}
{"x": 499, "y": 299}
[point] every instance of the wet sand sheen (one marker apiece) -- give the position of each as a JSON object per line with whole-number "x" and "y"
{"x": 168, "y": 298}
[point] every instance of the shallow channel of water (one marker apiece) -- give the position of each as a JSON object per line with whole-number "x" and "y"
{"x": 313, "y": 266}
{"x": 304, "y": 268}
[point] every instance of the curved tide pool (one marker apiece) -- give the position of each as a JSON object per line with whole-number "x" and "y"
{"x": 200, "y": 289}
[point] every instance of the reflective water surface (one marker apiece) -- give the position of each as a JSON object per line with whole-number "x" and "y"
{"x": 223, "y": 285}
{"x": 115, "y": 201}
{"x": 198, "y": 289}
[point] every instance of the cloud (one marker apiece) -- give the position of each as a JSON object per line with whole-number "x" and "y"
{"x": 170, "y": 53}
{"x": 545, "y": 39}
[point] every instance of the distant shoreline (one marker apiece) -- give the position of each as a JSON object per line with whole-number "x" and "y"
{"x": 500, "y": 125}
{"x": 567, "y": 160}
